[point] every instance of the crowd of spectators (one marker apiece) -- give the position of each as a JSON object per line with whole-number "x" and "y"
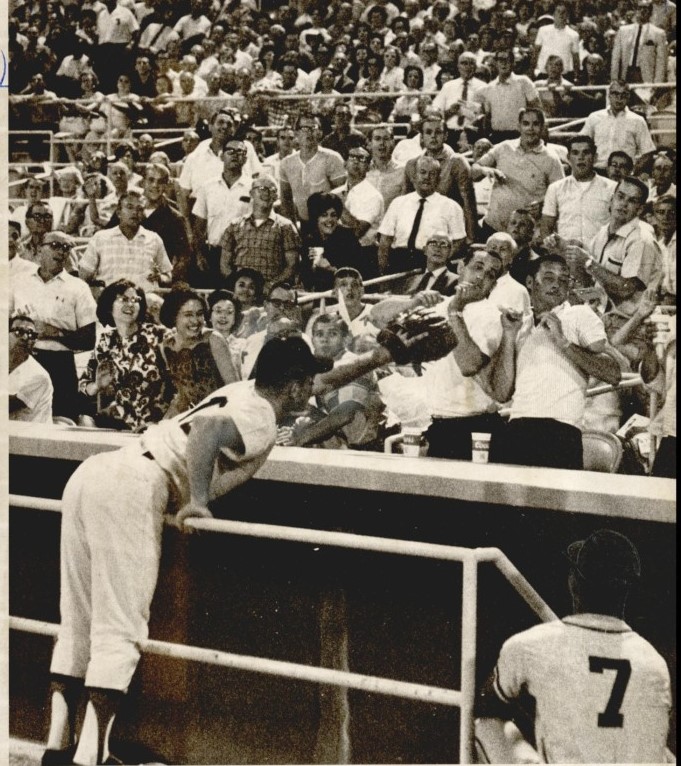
{"x": 308, "y": 147}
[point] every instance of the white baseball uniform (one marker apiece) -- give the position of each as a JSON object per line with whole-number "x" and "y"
{"x": 602, "y": 692}
{"x": 112, "y": 521}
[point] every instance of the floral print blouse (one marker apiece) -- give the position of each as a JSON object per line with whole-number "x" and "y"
{"x": 140, "y": 377}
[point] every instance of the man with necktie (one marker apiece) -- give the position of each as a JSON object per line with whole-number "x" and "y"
{"x": 640, "y": 50}
{"x": 412, "y": 218}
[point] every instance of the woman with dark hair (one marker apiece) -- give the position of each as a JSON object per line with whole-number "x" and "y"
{"x": 358, "y": 58}
{"x": 248, "y": 286}
{"x": 124, "y": 383}
{"x": 225, "y": 317}
{"x": 328, "y": 245}
{"x": 371, "y": 83}
{"x": 199, "y": 359}
{"x": 407, "y": 105}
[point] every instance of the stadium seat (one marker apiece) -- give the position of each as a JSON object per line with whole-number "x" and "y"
{"x": 602, "y": 451}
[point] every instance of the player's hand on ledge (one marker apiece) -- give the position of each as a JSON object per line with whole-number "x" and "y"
{"x": 191, "y": 511}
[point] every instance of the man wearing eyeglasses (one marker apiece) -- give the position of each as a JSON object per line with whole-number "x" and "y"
{"x": 436, "y": 276}
{"x": 29, "y": 387}
{"x": 64, "y": 312}
{"x": 39, "y": 220}
{"x": 283, "y": 319}
{"x": 219, "y": 202}
{"x": 262, "y": 239}
{"x": 363, "y": 207}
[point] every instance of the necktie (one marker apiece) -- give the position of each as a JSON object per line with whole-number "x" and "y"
{"x": 411, "y": 242}
{"x": 634, "y": 58}
{"x": 464, "y": 97}
{"x": 423, "y": 282}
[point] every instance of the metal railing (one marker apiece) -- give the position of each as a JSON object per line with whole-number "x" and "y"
{"x": 468, "y": 557}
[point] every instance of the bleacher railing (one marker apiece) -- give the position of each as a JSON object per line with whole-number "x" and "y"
{"x": 470, "y": 559}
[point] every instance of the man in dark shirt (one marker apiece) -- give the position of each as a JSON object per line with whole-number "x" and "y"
{"x": 343, "y": 136}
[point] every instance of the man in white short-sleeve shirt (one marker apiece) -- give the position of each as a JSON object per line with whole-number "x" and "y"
{"x": 29, "y": 388}
{"x": 577, "y": 206}
{"x": 600, "y": 693}
{"x": 553, "y": 363}
{"x": 559, "y": 39}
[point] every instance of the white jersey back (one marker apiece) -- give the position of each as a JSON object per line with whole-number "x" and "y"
{"x": 602, "y": 692}
{"x": 251, "y": 413}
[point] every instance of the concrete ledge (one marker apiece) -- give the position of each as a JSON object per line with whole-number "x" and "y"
{"x": 609, "y": 495}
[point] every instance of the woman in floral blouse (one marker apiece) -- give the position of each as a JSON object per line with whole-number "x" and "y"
{"x": 126, "y": 375}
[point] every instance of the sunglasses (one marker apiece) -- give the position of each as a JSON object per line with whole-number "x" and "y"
{"x": 280, "y": 303}
{"x": 22, "y": 332}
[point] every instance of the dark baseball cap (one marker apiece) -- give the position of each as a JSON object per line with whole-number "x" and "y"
{"x": 605, "y": 557}
{"x": 285, "y": 359}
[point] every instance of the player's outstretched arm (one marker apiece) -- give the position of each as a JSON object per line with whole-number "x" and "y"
{"x": 206, "y": 438}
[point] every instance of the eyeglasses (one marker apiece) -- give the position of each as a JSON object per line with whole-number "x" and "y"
{"x": 358, "y": 157}
{"x": 280, "y": 303}
{"x": 441, "y": 245}
{"x": 234, "y": 150}
{"x": 41, "y": 216}
{"x": 130, "y": 300}
{"x": 25, "y": 333}
{"x": 59, "y": 246}
{"x": 264, "y": 189}
{"x": 307, "y": 128}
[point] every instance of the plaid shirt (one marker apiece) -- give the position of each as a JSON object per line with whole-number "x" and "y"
{"x": 263, "y": 247}
{"x": 281, "y": 113}
{"x": 110, "y": 255}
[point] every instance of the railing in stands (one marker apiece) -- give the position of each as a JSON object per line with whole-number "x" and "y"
{"x": 469, "y": 558}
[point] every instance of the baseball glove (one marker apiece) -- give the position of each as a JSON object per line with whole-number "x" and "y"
{"x": 419, "y": 335}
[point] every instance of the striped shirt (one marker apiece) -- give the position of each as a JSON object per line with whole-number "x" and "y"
{"x": 630, "y": 252}
{"x": 110, "y": 255}
{"x": 263, "y": 248}
{"x": 548, "y": 384}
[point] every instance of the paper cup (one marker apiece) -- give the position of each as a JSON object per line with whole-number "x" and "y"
{"x": 480, "y": 444}
{"x": 315, "y": 253}
{"x": 412, "y": 440}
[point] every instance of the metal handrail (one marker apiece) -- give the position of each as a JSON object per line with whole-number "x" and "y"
{"x": 469, "y": 557}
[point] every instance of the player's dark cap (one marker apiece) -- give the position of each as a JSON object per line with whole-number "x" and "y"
{"x": 285, "y": 359}
{"x": 605, "y": 557}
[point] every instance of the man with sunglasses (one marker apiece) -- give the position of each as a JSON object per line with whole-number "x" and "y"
{"x": 29, "y": 387}
{"x": 282, "y": 318}
{"x": 219, "y": 202}
{"x": 65, "y": 318}
{"x": 39, "y": 220}
{"x": 17, "y": 264}
{"x": 363, "y": 207}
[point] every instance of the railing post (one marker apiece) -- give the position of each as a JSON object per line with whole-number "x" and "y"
{"x": 468, "y": 657}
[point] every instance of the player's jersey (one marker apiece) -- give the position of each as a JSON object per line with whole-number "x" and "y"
{"x": 602, "y": 692}
{"x": 251, "y": 413}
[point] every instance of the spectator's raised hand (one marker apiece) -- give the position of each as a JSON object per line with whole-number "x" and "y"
{"x": 427, "y": 298}
{"x": 511, "y": 320}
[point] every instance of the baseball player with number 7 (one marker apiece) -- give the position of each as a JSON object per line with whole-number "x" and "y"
{"x": 584, "y": 689}
{"x": 112, "y": 519}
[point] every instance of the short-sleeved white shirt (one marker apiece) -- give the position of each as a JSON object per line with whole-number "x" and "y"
{"x": 577, "y": 668}
{"x": 507, "y": 293}
{"x": 64, "y": 301}
{"x": 322, "y": 172}
{"x": 219, "y": 205}
{"x": 449, "y": 394}
{"x": 557, "y": 42}
{"x": 440, "y": 213}
{"x": 31, "y": 383}
{"x": 365, "y": 202}
{"x": 625, "y": 131}
{"x": 252, "y": 415}
{"x": 548, "y": 384}
{"x": 581, "y": 208}
{"x": 203, "y": 165}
